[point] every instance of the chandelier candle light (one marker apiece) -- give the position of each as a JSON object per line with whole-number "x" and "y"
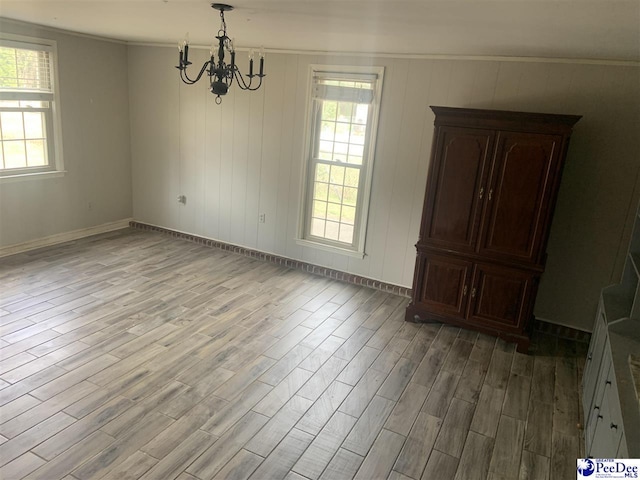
{"x": 221, "y": 74}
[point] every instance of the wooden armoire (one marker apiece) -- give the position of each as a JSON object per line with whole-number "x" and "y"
{"x": 491, "y": 190}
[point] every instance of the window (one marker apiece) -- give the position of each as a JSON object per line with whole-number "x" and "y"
{"x": 344, "y": 107}
{"x": 28, "y": 109}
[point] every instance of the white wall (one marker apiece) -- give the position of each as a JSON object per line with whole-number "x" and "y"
{"x": 95, "y": 127}
{"x": 244, "y": 157}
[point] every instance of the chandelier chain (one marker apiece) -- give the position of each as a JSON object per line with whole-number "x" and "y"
{"x": 223, "y": 23}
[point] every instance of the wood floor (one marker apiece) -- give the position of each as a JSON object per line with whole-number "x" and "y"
{"x": 137, "y": 355}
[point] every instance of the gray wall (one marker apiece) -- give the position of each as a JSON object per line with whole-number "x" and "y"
{"x": 244, "y": 157}
{"x": 95, "y": 127}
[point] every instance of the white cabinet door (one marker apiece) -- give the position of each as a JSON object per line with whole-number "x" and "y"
{"x": 595, "y": 414}
{"x": 594, "y": 360}
{"x": 602, "y": 446}
{"x": 615, "y": 414}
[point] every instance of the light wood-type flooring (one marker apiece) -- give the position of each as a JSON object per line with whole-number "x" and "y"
{"x": 137, "y": 355}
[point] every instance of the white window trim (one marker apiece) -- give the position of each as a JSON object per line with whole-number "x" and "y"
{"x": 365, "y": 195}
{"x": 57, "y": 166}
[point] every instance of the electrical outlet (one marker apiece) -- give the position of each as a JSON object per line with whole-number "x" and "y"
{"x": 182, "y": 199}
{"x": 262, "y": 218}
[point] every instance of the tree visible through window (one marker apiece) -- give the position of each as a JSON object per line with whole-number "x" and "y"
{"x": 344, "y": 115}
{"x": 26, "y": 108}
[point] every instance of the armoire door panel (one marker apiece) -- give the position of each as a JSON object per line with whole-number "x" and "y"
{"x": 519, "y": 194}
{"x": 444, "y": 285}
{"x": 500, "y": 296}
{"x": 454, "y": 199}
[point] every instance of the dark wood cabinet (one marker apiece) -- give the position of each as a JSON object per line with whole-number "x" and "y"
{"x": 500, "y": 297}
{"x": 444, "y": 284}
{"x": 491, "y": 189}
{"x": 519, "y": 194}
{"x": 452, "y": 212}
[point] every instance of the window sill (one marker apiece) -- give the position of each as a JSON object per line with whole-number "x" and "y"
{"x": 22, "y": 177}
{"x": 330, "y": 248}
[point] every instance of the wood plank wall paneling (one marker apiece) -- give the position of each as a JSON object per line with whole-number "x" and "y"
{"x": 245, "y": 157}
{"x": 280, "y": 82}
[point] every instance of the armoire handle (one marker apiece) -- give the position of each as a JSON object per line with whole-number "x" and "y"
{"x": 473, "y": 293}
{"x": 481, "y": 192}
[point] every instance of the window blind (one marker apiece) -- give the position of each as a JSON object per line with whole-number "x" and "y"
{"x": 25, "y": 74}
{"x": 344, "y": 89}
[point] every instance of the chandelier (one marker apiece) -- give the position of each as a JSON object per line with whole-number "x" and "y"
{"x": 221, "y": 74}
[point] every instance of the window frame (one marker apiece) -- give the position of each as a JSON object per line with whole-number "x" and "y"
{"x": 312, "y": 134}
{"x": 52, "y": 114}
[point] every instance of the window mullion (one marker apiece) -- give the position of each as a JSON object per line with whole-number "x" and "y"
{"x": 47, "y": 118}
{"x": 340, "y": 164}
{"x": 24, "y": 139}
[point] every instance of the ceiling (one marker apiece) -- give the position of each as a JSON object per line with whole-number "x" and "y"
{"x": 604, "y": 29}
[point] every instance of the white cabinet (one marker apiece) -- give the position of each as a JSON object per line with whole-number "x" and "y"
{"x": 610, "y": 402}
{"x": 594, "y": 361}
{"x": 599, "y": 403}
{"x": 601, "y": 445}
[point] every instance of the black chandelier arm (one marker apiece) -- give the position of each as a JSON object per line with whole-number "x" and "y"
{"x": 243, "y": 84}
{"x": 185, "y": 78}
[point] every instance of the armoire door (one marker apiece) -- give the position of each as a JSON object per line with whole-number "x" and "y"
{"x": 443, "y": 287}
{"x": 455, "y": 191}
{"x": 500, "y": 297}
{"x": 524, "y": 170}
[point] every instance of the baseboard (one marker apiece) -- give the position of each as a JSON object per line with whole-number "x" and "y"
{"x": 279, "y": 260}
{"x": 560, "y": 331}
{"x": 63, "y": 237}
